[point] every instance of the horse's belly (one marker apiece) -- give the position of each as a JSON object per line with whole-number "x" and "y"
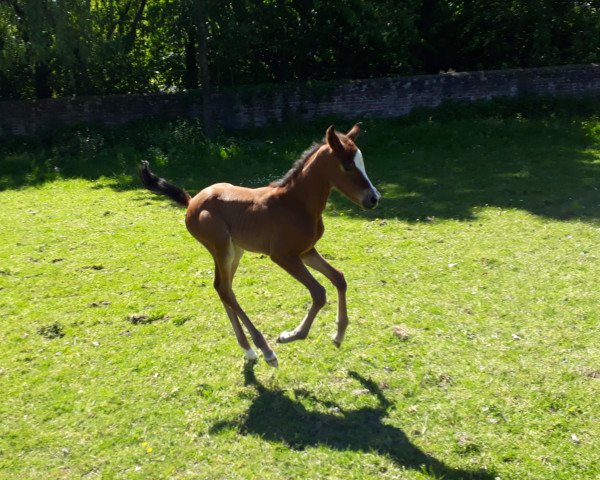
{"x": 256, "y": 245}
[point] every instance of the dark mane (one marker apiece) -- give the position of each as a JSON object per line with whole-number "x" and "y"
{"x": 297, "y": 166}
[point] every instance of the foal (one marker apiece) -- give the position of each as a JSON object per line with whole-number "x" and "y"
{"x": 282, "y": 220}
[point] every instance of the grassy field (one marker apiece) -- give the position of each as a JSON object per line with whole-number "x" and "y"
{"x": 473, "y": 300}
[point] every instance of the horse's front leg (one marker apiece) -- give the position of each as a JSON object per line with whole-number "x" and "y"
{"x": 294, "y": 266}
{"x": 316, "y": 261}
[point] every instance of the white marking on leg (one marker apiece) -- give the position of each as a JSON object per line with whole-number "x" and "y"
{"x": 360, "y": 165}
{"x": 250, "y": 355}
{"x": 283, "y": 336}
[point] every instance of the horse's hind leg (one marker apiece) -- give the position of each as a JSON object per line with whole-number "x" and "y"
{"x": 249, "y": 353}
{"x": 226, "y": 260}
{"x": 212, "y": 232}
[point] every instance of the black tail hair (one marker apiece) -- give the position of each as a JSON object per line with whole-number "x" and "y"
{"x": 160, "y": 185}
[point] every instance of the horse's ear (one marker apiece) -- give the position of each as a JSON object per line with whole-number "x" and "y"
{"x": 354, "y": 131}
{"x": 333, "y": 140}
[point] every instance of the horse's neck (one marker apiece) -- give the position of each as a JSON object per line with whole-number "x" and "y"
{"x": 311, "y": 188}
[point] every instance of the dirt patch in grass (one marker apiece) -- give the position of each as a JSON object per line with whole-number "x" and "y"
{"x": 54, "y": 330}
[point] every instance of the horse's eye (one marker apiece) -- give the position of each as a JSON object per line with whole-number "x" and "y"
{"x": 347, "y": 167}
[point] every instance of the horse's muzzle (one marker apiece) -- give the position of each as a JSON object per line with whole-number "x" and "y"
{"x": 371, "y": 200}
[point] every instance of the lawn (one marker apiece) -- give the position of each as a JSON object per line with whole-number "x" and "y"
{"x": 472, "y": 350}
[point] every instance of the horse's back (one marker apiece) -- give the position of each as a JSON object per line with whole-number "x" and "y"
{"x": 222, "y": 195}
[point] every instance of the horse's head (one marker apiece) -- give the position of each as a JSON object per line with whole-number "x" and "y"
{"x": 348, "y": 172}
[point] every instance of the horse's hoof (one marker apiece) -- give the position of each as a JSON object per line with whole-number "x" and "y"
{"x": 272, "y": 360}
{"x": 336, "y": 342}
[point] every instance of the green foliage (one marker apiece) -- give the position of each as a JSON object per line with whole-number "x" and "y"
{"x": 472, "y": 350}
{"x": 300, "y": 40}
{"x": 520, "y": 34}
{"x": 69, "y": 47}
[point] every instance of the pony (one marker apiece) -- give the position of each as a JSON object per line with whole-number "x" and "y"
{"x": 284, "y": 221}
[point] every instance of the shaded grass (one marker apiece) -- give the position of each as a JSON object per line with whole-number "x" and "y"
{"x": 531, "y": 154}
{"x": 494, "y": 289}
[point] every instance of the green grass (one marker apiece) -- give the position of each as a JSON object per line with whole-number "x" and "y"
{"x": 473, "y": 300}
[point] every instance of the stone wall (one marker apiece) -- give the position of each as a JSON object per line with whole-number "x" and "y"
{"x": 242, "y": 107}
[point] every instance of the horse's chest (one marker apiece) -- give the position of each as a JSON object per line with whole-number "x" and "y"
{"x": 307, "y": 235}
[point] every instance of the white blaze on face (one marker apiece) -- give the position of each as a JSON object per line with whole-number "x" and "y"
{"x": 360, "y": 165}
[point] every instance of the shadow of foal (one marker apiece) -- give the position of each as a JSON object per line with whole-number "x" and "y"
{"x": 275, "y": 417}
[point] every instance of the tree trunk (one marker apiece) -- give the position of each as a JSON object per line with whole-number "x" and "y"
{"x": 41, "y": 69}
{"x": 191, "y": 64}
{"x": 131, "y": 36}
{"x": 201, "y": 20}
{"x": 119, "y": 22}
{"x": 41, "y": 80}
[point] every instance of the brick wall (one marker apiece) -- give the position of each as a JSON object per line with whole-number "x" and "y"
{"x": 241, "y": 107}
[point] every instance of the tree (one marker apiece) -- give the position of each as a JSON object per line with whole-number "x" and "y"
{"x": 85, "y": 47}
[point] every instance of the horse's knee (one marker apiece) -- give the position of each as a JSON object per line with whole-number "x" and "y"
{"x": 319, "y": 296}
{"x": 339, "y": 281}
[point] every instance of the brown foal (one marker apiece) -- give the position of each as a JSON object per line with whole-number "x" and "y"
{"x": 282, "y": 220}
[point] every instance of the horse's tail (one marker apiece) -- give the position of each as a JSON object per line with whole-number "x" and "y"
{"x": 160, "y": 185}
